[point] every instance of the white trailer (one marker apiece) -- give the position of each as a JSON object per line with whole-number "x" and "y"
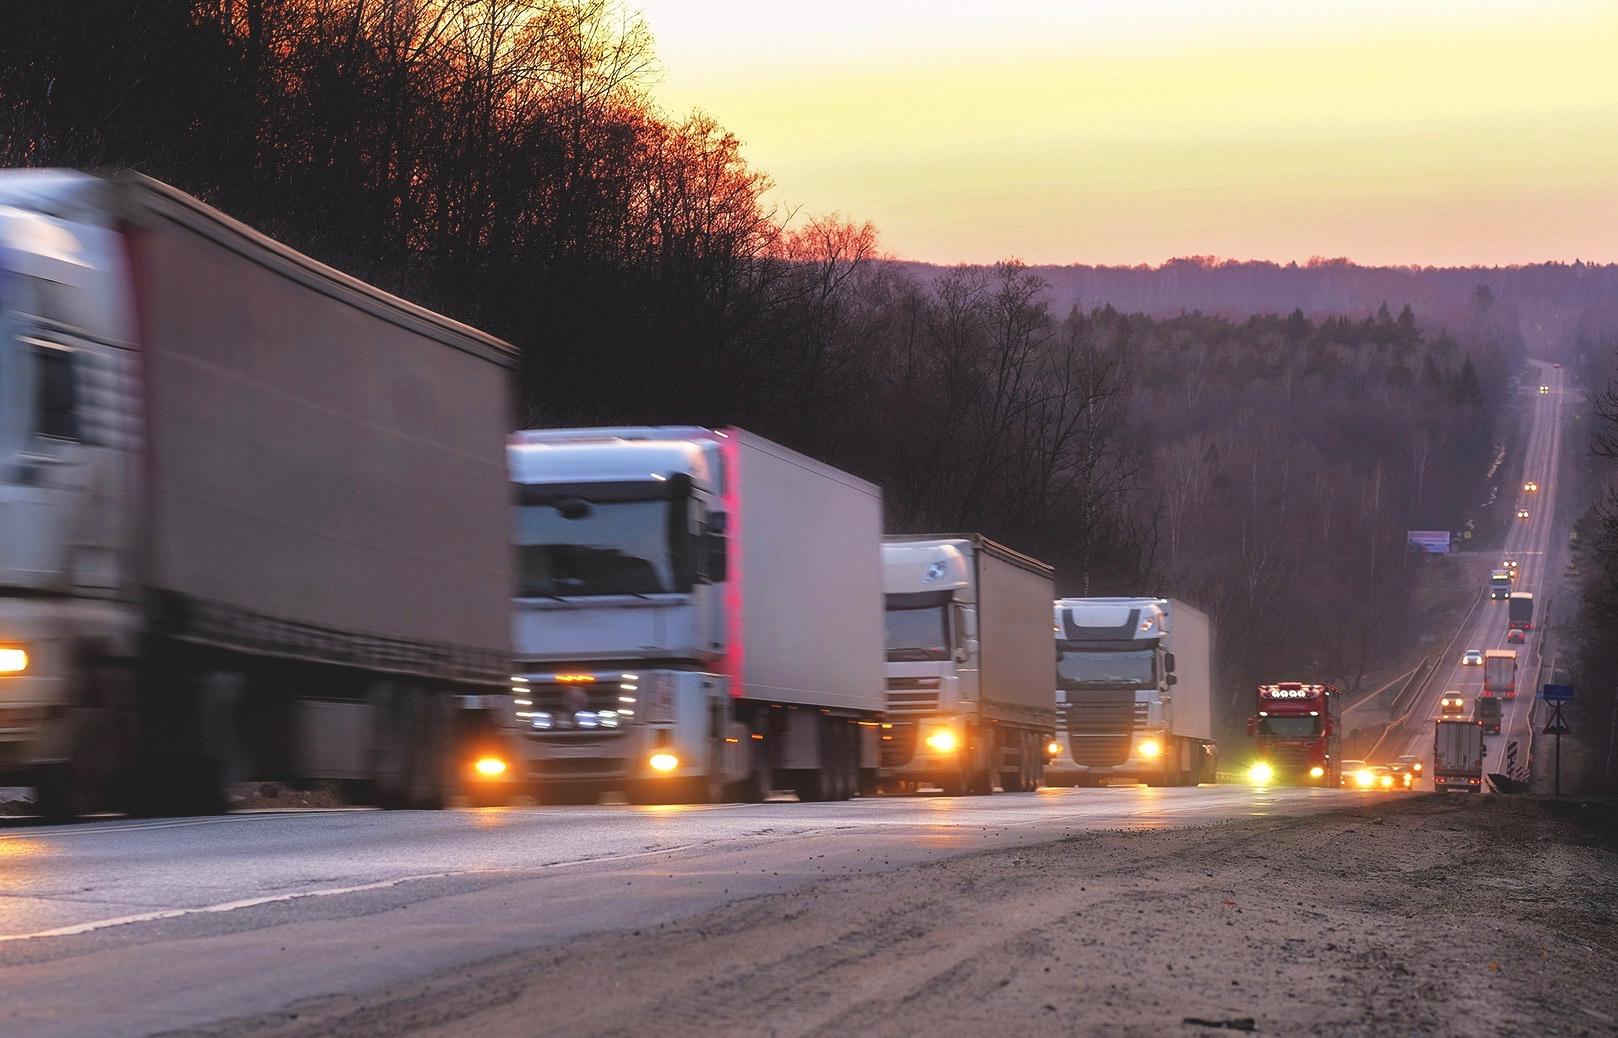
{"x": 1134, "y": 692}
{"x": 1458, "y": 754}
{"x": 698, "y": 616}
{"x": 970, "y": 698}
{"x": 246, "y": 510}
{"x": 1500, "y": 672}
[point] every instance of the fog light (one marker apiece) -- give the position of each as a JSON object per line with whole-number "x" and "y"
{"x": 1261, "y": 773}
{"x": 13, "y": 660}
{"x": 1054, "y": 749}
{"x": 490, "y": 766}
{"x": 1150, "y": 749}
{"x": 943, "y": 742}
{"x": 664, "y": 762}
{"x": 1317, "y": 772}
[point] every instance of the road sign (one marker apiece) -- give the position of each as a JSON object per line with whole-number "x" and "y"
{"x": 1557, "y": 726}
{"x": 1557, "y": 693}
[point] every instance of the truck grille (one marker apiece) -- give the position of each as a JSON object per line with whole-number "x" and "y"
{"x": 1287, "y": 758}
{"x": 912, "y": 695}
{"x": 1099, "y": 725}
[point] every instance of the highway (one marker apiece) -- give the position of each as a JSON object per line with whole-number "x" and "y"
{"x": 248, "y": 914}
{"x": 1530, "y": 542}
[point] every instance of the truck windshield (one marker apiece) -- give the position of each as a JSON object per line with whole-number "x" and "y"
{"x": 1132, "y": 668}
{"x": 1289, "y": 727}
{"x": 569, "y": 544}
{"x": 918, "y": 633}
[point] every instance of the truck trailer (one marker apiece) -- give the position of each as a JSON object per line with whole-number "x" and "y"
{"x": 1500, "y": 672}
{"x": 1520, "y": 611}
{"x": 970, "y": 701}
{"x": 1134, "y": 695}
{"x": 250, "y": 514}
{"x": 698, "y": 617}
{"x": 1457, "y": 754}
{"x": 1486, "y": 711}
{"x": 1297, "y": 735}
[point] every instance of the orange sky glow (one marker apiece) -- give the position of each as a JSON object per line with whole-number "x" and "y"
{"x": 1129, "y": 131}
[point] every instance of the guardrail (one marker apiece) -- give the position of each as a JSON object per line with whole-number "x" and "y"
{"x": 1400, "y": 720}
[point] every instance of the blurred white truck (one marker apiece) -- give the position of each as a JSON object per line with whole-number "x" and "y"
{"x": 252, "y": 514}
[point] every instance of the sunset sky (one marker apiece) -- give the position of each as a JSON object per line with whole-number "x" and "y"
{"x": 1125, "y": 131}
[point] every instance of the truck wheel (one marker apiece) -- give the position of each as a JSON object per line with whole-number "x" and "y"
{"x": 1011, "y": 779}
{"x": 757, "y": 786}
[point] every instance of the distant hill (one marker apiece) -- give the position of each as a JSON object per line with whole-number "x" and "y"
{"x": 1557, "y": 306}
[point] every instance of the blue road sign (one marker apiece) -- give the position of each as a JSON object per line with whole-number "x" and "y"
{"x": 1557, "y": 693}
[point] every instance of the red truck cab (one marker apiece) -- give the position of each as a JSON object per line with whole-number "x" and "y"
{"x": 1296, "y": 735}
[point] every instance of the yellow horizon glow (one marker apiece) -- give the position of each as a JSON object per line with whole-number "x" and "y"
{"x": 1129, "y": 131}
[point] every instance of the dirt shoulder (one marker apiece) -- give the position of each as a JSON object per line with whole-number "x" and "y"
{"x": 1422, "y": 915}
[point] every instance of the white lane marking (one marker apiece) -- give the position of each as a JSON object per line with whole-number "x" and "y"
{"x": 268, "y": 899}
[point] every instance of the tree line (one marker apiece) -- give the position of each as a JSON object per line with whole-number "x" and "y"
{"x": 504, "y": 161}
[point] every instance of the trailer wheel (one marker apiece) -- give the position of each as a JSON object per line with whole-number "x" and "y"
{"x": 1012, "y": 780}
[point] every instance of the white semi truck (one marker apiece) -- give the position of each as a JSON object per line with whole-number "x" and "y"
{"x": 970, "y": 700}
{"x": 251, "y": 514}
{"x": 1134, "y": 695}
{"x": 698, "y": 617}
{"x": 1458, "y": 754}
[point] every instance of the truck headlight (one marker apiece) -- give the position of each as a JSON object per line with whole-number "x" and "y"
{"x": 1053, "y": 749}
{"x": 943, "y": 741}
{"x": 1317, "y": 772}
{"x": 1151, "y": 749}
{"x": 1260, "y": 774}
{"x": 13, "y": 659}
{"x": 489, "y": 767}
{"x": 664, "y": 762}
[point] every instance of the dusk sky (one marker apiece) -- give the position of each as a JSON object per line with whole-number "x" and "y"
{"x": 1125, "y": 131}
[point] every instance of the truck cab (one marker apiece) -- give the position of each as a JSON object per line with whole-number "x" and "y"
{"x": 1500, "y": 584}
{"x": 1297, "y": 735}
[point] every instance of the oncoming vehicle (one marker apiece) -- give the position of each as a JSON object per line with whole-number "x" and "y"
{"x": 1544, "y": 390}
{"x": 1530, "y": 487}
{"x": 1452, "y": 704}
{"x": 1351, "y": 772}
{"x": 1472, "y": 658}
{"x": 1408, "y": 763}
{"x": 1522, "y": 513}
{"x": 1379, "y": 777}
{"x": 1516, "y": 636}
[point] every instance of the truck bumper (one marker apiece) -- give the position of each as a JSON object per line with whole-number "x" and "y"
{"x": 34, "y": 701}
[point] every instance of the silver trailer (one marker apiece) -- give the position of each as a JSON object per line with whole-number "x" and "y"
{"x": 257, "y": 512}
{"x": 970, "y": 697}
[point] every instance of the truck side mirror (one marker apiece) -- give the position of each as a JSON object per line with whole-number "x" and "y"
{"x": 1168, "y": 664}
{"x": 968, "y": 649}
{"x": 1174, "y": 679}
{"x": 716, "y": 554}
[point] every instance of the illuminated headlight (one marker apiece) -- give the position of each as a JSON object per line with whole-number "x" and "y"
{"x": 1416, "y": 767}
{"x": 1364, "y": 778}
{"x": 1151, "y": 749}
{"x": 1053, "y": 749}
{"x": 13, "y": 659}
{"x": 1387, "y": 781}
{"x": 543, "y": 720}
{"x": 608, "y": 718}
{"x": 489, "y": 767}
{"x": 1317, "y": 772}
{"x": 1260, "y": 774}
{"x": 586, "y": 719}
{"x": 943, "y": 741}
{"x": 664, "y": 762}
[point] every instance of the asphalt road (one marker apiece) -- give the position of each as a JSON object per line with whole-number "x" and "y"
{"x": 1529, "y": 541}
{"x": 135, "y": 927}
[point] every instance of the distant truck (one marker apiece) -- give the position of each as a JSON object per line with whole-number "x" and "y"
{"x": 251, "y": 514}
{"x": 1500, "y": 584}
{"x": 1520, "y": 611}
{"x": 1486, "y": 711}
{"x": 1457, "y": 754}
{"x": 1297, "y": 735}
{"x": 1134, "y": 692}
{"x": 1500, "y": 672}
{"x": 698, "y": 617}
{"x": 970, "y": 698}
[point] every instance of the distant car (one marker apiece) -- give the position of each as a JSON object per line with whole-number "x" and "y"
{"x": 1409, "y": 762}
{"x": 1515, "y": 636}
{"x": 1374, "y": 776}
{"x": 1352, "y": 768}
{"x": 1472, "y": 658}
{"x": 1544, "y": 389}
{"x": 1530, "y": 487}
{"x": 1522, "y": 513}
{"x": 1451, "y": 704}
{"x": 1558, "y": 367}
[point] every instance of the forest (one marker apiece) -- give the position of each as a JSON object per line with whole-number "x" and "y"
{"x": 506, "y": 162}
